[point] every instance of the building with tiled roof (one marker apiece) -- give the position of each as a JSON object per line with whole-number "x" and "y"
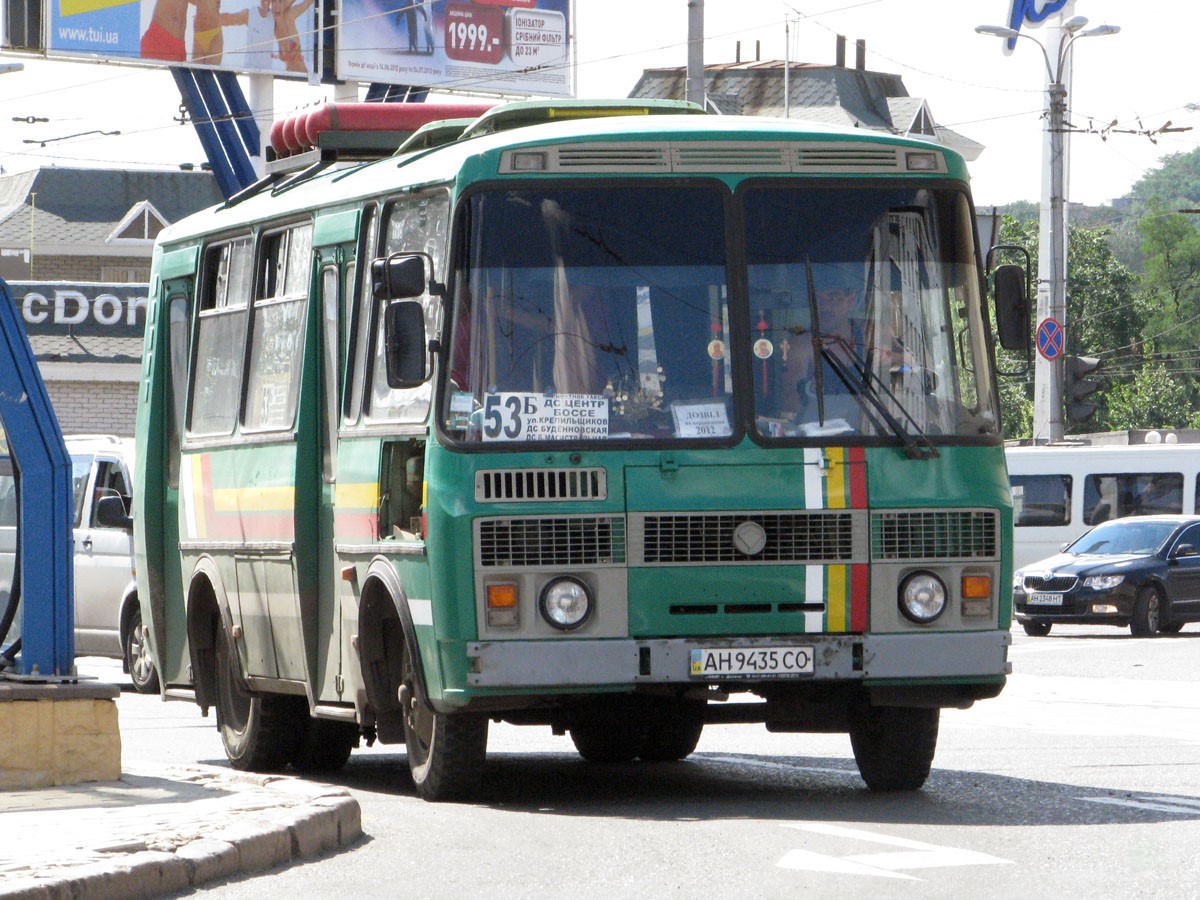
{"x": 75, "y": 248}
{"x": 829, "y": 94}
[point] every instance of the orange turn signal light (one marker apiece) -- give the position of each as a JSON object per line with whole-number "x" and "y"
{"x": 501, "y": 596}
{"x": 976, "y": 587}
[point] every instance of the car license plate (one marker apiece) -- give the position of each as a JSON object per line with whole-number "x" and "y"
{"x": 1039, "y": 599}
{"x": 751, "y": 662}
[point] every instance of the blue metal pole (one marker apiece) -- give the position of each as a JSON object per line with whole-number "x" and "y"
{"x": 44, "y": 498}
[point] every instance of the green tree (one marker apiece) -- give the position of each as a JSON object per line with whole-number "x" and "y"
{"x": 1176, "y": 178}
{"x": 1153, "y": 398}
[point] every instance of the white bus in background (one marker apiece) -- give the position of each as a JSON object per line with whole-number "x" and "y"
{"x": 1059, "y": 493}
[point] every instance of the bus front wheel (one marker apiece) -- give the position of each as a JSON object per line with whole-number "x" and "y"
{"x": 894, "y": 745}
{"x": 258, "y": 730}
{"x": 446, "y": 753}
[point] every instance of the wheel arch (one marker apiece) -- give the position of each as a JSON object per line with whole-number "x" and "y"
{"x": 386, "y": 632}
{"x": 207, "y": 610}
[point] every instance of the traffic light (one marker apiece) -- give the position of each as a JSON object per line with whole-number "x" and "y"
{"x": 1080, "y": 387}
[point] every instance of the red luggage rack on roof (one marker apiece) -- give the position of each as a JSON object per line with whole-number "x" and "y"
{"x": 352, "y": 131}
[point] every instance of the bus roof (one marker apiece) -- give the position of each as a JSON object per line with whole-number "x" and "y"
{"x": 474, "y": 153}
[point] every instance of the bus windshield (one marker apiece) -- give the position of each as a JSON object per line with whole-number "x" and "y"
{"x": 618, "y": 313}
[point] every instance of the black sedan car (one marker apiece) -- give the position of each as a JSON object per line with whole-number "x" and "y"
{"x": 1142, "y": 572}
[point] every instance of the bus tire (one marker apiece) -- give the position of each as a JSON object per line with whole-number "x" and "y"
{"x": 1036, "y": 629}
{"x": 446, "y": 752}
{"x": 326, "y": 746}
{"x": 1147, "y": 613}
{"x": 894, "y": 745}
{"x": 674, "y": 734}
{"x": 609, "y": 739}
{"x": 258, "y": 730}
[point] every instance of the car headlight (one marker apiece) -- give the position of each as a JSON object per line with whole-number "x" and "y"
{"x": 565, "y": 603}
{"x": 922, "y": 597}
{"x": 1103, "y": 582}
{"x": 1018, "y": 580}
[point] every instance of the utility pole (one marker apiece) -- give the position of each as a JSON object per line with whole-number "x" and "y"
{"x": 695, "y": 53}
{"x": 1052, "y": 248}
{"x": 1048, "y": 412}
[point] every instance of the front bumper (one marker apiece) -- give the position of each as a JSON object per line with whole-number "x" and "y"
{"x": 568, "y": 664}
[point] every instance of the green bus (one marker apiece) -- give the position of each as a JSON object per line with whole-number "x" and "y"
{"x": 617, "y": 418}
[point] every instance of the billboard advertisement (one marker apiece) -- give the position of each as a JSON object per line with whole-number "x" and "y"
{"x": 509, "y": 46}
{"x": 262, "y": 36}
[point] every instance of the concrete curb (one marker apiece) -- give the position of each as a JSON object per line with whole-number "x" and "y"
{"x": 215, "y": 824}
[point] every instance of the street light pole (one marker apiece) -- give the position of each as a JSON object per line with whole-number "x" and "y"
{"x": 1048, "y": 412}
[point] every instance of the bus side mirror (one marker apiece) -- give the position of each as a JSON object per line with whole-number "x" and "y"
{"x": 1012, "y": 308}
{"x": 398, "y": 277}
{"x": 406, "y": 351}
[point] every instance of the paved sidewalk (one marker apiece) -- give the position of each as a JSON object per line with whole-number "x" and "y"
{"x": 162, "y": 830}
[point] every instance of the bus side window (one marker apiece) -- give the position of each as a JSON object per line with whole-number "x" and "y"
{"x": 1041, "y": 500}
{"x": 277, "y": 329}
{"x": 220, "y": 336}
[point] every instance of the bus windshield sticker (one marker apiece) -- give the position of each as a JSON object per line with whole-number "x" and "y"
{"x": 544, "y": 417}
{"x": 700, "y": 420}
{"x": 461, "y": 406}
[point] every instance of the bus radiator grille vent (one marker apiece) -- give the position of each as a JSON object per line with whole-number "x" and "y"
{"x": 631, "y": 158}
{"x": 758, "y": 157}
{"x": 551, "y": 541}
{"x": 528, "y": 485}
{"x": 847, "y": 158}
{"x": 1053, "y": 583}
{"x": 792, "y": 537}
{"x": 935, "y": 534}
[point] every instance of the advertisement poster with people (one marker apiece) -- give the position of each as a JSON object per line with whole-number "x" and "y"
{"x": 514, "y": 46}
{"x": 261, "y": 36}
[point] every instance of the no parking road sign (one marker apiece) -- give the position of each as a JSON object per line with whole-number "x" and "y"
{"x": 1051, "y": 338}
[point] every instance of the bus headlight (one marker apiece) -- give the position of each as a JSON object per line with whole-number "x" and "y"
{"x": 922, "y": 597}
{"x": 565, "y": 603}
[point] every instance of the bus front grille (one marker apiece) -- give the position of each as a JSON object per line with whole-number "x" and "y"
{"x": 708, "y": 538}
{"x": 528, "y": 485}
{"x": 935, "y": 534}
{"x": 550, "y": 541}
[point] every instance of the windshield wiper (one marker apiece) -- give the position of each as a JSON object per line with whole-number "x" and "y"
{"x": 856, "y": 375}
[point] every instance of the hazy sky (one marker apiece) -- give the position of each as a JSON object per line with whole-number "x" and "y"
{"x": 1142, "y": 78}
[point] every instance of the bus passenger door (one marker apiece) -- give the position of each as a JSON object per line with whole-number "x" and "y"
{"x": 336, "y": 268}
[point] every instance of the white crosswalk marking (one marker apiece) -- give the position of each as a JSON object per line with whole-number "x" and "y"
{"x": 1184, "y": 806}
{"x": 911, "y": 855}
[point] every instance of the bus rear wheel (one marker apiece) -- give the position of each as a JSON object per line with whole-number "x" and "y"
{"x": 258, "y": 730}
{"x": 446, "y": 752}
{"x": 894, "y": 745}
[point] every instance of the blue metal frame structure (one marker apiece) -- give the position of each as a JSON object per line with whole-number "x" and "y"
{"x": 45, "y": 561}
{"x": 224, "y": 123}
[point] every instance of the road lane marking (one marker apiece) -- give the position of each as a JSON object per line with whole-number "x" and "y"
{"x": 1183, "y": 806}
{"x": 890, "y": 864}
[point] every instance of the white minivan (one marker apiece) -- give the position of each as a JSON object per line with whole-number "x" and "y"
{"x": 108, "y": 621}
{"x": 1059, "y": 492}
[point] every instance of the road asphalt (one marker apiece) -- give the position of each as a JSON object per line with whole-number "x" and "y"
{"x": 161, "y": 830}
